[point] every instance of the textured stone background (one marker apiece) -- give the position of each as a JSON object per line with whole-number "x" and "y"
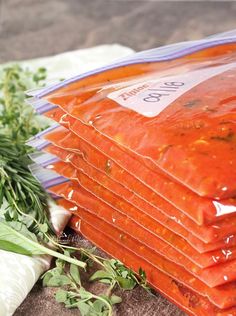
{"x": 36, "y": 28}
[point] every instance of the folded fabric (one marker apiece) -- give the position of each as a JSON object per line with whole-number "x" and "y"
{"x": 19, "y": 273}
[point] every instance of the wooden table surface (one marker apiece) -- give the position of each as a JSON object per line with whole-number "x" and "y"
{"x": 36, "y": 28}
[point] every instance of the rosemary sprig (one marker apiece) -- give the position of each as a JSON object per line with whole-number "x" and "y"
{"x": 22, "y": 192}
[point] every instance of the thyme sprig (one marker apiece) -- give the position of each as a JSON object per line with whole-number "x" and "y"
{"x": 17, "y": 119}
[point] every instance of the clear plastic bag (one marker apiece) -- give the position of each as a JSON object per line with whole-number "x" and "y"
{"x": 90, "y": 196}
{"x": 222, "y": 296}
{"x": 148, "y": 151}
{"x": 165, "y": 214}
{"x": 198, "y": 244}
{"x": 170, "y": 114}
{"x": 187, "y": 299}
{"x": 208, "y": 234}
{"x": 126, "y": 169}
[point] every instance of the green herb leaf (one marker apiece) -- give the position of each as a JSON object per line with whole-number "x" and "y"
{"x": 126, "y": 284}
{"x": 43, "y": 228}
{"x": 19, "y": 241}
{"x": 115, "y": 299}
{"x": 85, "y": 294}
{"x": 84, "y": 308}
{"x": 61, "y": 296}
{"x": 60, "y": 280}
{"x": 74, "y": 272}
{"x": 100, "y": 274}
{"x": 98, "y": 306}
{"x": 26, "y": 244}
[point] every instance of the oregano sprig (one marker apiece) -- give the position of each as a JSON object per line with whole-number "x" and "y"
{"x": 73, "y": 294}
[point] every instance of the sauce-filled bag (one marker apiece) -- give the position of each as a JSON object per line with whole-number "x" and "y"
{"x": 79, "y": 152}
{"x": 117, "y": 195}
{"x": 178, "y": 139}
{"x": 123, "y": 168}
{"x": 100, "y": 237}
{"x": 165, "y": 106}
{"x": 137, "y": 224}
{"x": 185, "y": 298}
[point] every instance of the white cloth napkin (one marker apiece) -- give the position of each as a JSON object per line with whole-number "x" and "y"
{"x": 19, "y": 273}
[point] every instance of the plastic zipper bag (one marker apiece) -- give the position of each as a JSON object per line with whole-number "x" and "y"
{"x": 82, "y": 170}
{"x": 125, "y": 169}
{"x": 210, "y": 233}
{"x": 215, "y": 295}
{"x": 131, "y": 220}
{"x": 190, "y": 301}
{"x": 167, "y": 109}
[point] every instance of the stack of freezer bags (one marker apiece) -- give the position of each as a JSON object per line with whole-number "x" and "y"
{"x": 143, "y": 153}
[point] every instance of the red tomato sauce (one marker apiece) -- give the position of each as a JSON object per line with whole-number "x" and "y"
{"x": 192, "y": 140}
{"x": 211, "y": 233}
{"x": 157, "y": 262}
{"x": 133, "y": 174}
{"x": 213, "y": 276}
{"x": 156, "y": 192}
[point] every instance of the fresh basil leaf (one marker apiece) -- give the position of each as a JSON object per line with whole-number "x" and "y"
{"x": 124, "y": 274}
{"x": 43, "y": 228}
{"x": 46, "y": 277}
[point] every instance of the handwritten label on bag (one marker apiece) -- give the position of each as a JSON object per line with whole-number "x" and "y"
{"x": 151, "y": 97}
